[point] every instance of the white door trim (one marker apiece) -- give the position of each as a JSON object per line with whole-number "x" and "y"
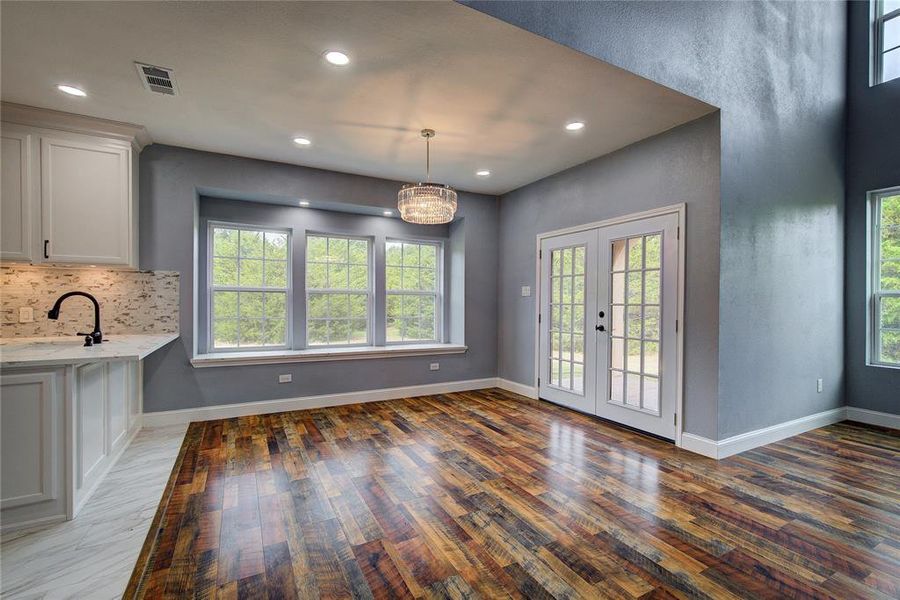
{"x": 680, "y": 211}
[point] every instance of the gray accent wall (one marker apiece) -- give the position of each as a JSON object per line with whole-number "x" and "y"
{"x": 777, "y": 72}
{"x": 171, "y": 182}
{"x": 681, "y": 165}
{"x": 873, "y": 163}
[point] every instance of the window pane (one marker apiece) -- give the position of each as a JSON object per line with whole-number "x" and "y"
{"x": 338, "y": 276}
{"x": 428, "y": 281}
{"x": 251, "y": 332}
{"x": 359, "y": 277}
{"x": 251, "y": 244}
{"x": 555, "y": 262}
{"x": 225, "y": 333}
{"x": 633, "y": 390}
{"x": 651, "y": 394}
{"x": 616, "y": 383}
{"x": 890, "y": 313}
{"x": 337, "y": 250}
{"x": 410, "y": 278}
{"x": 317, "y": 306}
{"x": 251, "y": 305}
{"x": 276, "y": 245}
{"x": 317, "y": 333}
{"x": 634, "y": 287}
{"x": 338, "y": 331}
{"x": 428, "y": 256}
{"x": 618, "y": 288}
{"x": 316, "y": 249}
{"x": 651, "y": 287}
{"x": 225, "y": 305}
{"x": 225, "y": 242}
{"x": 358, "y": 334}
{"x": 890, "y": 347}
{"x": 579, "y": 260}
{"x": 316, "y": 276}
{"x": 567, "y": 261}
{"x": 651, "y": 358}
{"x": 276, "y": 274}
{"x": 250, "y": 273}
{"x": 618, "y": 255}
{"x": 890, "y": 65}
{"x": 633, "y": 359}
{"x": 652, "y": 250}
{"x": 225, "y": 271}
{"x": 889, "y": 6}
{"x": 635, "y": 253}
{"x": 618, "y": 320}
{"x": 358, "y": 306}
{"x": 394, "y": 254}
{"x": 394, "y": 276}
{"x": 339, "y": 305}
{"x": 891, "y": 33}
{"x": 633, "y": 321}
{"x": 617, "y": 350}
{"x": 890, "y": 275}
{"x": 411, "y": 255}
{"x": 651, "y": 322}
{"x": 275, "y": 332}
{"x": 359, "y": 252}
{"x": 276, "y": 305}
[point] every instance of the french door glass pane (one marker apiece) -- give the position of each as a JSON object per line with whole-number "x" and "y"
{"x": 634, "y": 297}
{"x": 567, "y": 318}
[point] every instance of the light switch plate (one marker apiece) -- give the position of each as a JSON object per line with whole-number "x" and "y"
{"x": 526, "y": 290}
{"x": 819, "y": 385}
{"x": 286, "y": 378}
{"x": 26, "y": 314}
{"x": 434, "y": 366}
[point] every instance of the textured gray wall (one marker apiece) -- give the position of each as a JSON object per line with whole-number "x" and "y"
{"x": 873, "y": 162}
{"x": 681, "y": 165}
{"x": 170, "y": 180}
{"x": 777, "y": 72}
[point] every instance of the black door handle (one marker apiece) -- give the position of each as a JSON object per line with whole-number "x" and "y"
{"x": 600, "y": 328}
{"x": 46, "y": 242}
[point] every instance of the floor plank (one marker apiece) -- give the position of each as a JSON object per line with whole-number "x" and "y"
{"x": 488, "y": 494}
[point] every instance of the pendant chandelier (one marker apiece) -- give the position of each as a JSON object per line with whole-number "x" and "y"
{"x": 427, "y": 203}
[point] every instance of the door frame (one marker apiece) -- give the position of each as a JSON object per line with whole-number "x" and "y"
{"x": 680, "y": 210}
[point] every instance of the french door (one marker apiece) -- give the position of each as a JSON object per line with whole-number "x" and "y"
{"x": 608, "y": 322}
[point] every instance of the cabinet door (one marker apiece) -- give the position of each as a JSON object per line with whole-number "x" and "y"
{"x": 86, "y": 202}
{"x": 16, "y": 196}
{"x": 30, "y": 425}
{"x": 91, "y": 427}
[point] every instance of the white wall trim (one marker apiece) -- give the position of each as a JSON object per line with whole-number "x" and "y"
{"x": 227, "y": 411}
{"x": 873, "y": 417}
{"x": 517, "y": 388}
{"x": 760, "y": 437}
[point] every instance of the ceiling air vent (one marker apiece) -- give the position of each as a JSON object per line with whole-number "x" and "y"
{"x": 157, "y": 79}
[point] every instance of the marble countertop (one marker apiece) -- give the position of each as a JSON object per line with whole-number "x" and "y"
{"x": 45, "y": 351}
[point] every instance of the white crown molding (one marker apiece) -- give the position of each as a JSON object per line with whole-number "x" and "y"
{"x": 34, "y": 116}
{"x": 873, "y": 417}
{"x": 228, "y": 411}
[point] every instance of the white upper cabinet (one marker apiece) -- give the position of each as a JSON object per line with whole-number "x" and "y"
{"x": 69, "y": 188}
{"x": 86, "y": 202}
{"x": 16, "y": 195}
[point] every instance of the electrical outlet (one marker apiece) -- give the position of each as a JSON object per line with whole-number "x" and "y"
{"x": 286, "y": 378}
{"x": 434, "y": 366}
{"x": 526, "y": 290}
{"x": 26, "y": 314}
{"x": 819, "y": 385}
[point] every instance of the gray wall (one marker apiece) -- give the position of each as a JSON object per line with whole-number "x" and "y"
{"x": 777, "y": 72}
{"x": 873, "y": 162}
{"x": 171, "y": 179}
{"x": 681, "y": 165}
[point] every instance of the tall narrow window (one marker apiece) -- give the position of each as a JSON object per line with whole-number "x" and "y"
{"x": 413, "y": 291}
{"x": 887, "y": 40}
{"x": 249, "y": 282}
{"x": 885, "y": 302}
{"x": 337, "y": 290}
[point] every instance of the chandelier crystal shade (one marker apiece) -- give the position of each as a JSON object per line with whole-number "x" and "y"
{"x": 427, "y": 203}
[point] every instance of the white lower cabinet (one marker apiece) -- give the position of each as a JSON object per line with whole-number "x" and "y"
{"x": 62, "y": 430}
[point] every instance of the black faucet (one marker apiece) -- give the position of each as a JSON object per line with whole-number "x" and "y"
{"x": 94, "y": 337}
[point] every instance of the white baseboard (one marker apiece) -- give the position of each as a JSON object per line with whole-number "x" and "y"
{"x": 760, "y": 437}
{"x": 517, "y": 388}
{"x": 873, "y": 417}
{"x": 227, "y": 411}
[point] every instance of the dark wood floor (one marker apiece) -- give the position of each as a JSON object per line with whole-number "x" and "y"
{"x": 486, "y": 494}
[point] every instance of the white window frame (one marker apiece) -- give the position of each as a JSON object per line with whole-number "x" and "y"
{"x": 210, "y": 288}
{"x": 874, "y": 268}
{"x": 878, "y": 50}
{"x": 438, "y": 293}
{"x": 370, "y": 296}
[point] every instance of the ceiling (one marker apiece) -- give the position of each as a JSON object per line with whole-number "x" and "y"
{"x": 251, "y": 77}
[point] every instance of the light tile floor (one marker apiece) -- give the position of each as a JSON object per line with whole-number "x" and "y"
{"x": 92, "y": 556}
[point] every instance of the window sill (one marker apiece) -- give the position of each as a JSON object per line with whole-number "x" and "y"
{"x": 269, "y": 357}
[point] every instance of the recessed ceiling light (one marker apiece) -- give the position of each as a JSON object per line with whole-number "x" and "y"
{"x": 483, "y": 173}
{"x": 302, "y": 141}
{"x": 304, "y": 203}
{"x": 388, "y": 213}
{"x": 336, "y": 58}
{"x": 575, "y": 126}
{"x": 72, "y": 91}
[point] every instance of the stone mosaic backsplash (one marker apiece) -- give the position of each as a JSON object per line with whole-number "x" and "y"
{"x": 130, "y": 301}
